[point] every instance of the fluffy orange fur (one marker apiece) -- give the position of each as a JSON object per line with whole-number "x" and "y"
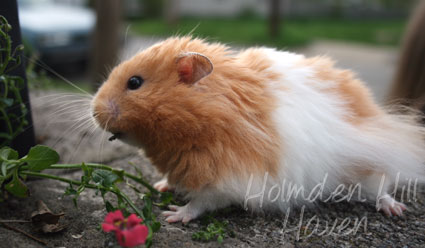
{"x": 358, "y": 100}
{"x": 198, "y": 133}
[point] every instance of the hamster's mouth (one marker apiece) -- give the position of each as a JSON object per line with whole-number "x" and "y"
{"x": 115, "y": 136}
{"x": 124, "y": 137}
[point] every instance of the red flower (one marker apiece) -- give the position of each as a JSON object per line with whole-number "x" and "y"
{"x": 129, "y": 232}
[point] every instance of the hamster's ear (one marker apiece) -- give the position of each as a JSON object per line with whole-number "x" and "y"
{"x": 192, "y": 67}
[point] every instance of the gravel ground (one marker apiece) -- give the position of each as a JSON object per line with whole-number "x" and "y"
{"x": 250, "y": 230}
{"x": 267, "y": 230}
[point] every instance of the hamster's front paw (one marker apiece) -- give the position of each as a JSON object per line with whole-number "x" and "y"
{"x": 183, "y": 214}
{"x": 162, "y": 185}
{"x": 390, "y": 206}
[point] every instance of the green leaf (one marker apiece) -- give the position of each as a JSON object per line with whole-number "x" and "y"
{"x": 20, "y": 47}
{"x": 41, "y": 157}
{"x": 220, "y": 239}
{"x": 17, "y": 187}
{"x": 104, "y": 177}
{"x": 8, "y": 27}
{"x": 7, "y": 153}
{"x": 4, "y": 168}
{"x": 215, "y": 230}
{"x": 6, "y": 101}
{"x": 119, "y": 173}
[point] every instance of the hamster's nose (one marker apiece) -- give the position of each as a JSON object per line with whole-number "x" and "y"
{"x": 113, "y": 108}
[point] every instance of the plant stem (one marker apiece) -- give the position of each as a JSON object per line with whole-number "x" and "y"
{"x": 91, "y": 186}
{"x": 105, "y": 167}
{"x": 8, "y": 51}
{"x": 66, "y": 180}
{"x": 131, "y": 204}
{"x": 6, "y": 118}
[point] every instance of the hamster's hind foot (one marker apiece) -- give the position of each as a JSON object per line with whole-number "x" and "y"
{"x": 390, "y": 206}
{"x": 183, "y": 214}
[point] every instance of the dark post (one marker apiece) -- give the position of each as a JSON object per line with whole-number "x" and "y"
{"x": 107, "y": 38}
{"x": 23, "y": 142}
{"x": 274, "y": 20}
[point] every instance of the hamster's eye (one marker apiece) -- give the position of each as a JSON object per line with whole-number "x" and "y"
{"x": 134, "y": 83}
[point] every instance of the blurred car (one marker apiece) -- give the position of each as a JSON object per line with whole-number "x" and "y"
{"x": 59, "y": 33}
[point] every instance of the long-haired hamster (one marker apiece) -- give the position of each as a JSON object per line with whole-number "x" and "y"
{"x": 261, "y": 128}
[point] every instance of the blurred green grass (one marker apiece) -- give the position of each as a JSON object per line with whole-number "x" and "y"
{"x": 294, "y": 32}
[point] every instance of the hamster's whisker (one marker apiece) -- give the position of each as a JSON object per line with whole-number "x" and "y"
{"x": 102, "y": 140}
{"x": 62, "y": 95}
{"x": 80, "y": 141}
{"x": 70, "y": 116}
{"x": 46, "y": 67}
{"x": 93, "y": 120}
{"x": 65, "y": 121}
{"x": 57, "y": 103}
{"x": 70, "y": 130}
{"x": 66, "y": 100}
{"x": 83, "y": 117}
{"x": 65, "y": 108}
{"x": 73, "y": 114}
{"x": 83, "y": 120}
{"x": 69, "y": 113}
{"x": 93, "y": 127}
{"x": 56, "y": 96}
{"x": 80, "y": 120}
{"x": 37, "y": 102}
{"x": 81, "y": 123}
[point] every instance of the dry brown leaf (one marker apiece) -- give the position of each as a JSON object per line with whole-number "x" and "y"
{"x": 45, "y": 220}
